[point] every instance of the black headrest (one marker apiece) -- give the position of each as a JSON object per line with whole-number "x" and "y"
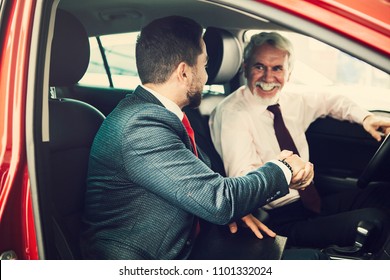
{"x": 70, "y": 50}
{"x": 225, "y": 55}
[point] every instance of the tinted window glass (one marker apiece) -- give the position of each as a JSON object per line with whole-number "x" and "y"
{"x": 119, "y": 51}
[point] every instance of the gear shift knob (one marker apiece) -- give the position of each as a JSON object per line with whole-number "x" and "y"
{"x": 357, "y": 251}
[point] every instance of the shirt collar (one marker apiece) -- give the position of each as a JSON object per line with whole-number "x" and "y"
{"x": 169, "y": 104}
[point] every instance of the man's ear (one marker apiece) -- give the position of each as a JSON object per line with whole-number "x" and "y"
{"x": 182, "y": 72}
{"x": 244, "y": 70}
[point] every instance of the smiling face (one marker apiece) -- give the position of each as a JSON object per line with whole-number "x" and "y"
{"x": 266, "y": 72}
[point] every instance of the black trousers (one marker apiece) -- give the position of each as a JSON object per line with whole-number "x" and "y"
{"x": 217, "y": 243}
{"x": 336, "y": 224}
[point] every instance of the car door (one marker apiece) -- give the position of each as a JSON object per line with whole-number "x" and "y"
{"x": 340, "y": 152}
{"x": 17, "y": 231}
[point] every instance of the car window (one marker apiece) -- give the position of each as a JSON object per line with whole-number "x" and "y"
{"x": 118, "y": 50}
{"x": 319, "y": 66}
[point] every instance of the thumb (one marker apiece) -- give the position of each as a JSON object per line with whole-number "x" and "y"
{"x": 233, "y": 227}
{"x": 375, "y": 134}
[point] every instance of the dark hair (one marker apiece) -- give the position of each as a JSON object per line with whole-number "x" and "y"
{"x": 163, "y": 44}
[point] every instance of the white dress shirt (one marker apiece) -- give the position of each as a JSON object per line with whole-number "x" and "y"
{"x": 169, "y": 104}
{"x": 243, "y": 134}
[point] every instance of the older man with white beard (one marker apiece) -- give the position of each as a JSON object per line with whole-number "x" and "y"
{"x": 242, "y": 130}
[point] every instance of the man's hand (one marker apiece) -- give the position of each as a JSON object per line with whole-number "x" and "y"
{"x": 372, "y": 124}
{"x": 303, "y": 178}
{"x": 296, "y": 163}
{"x": 255, "y": 225}
{"x": 303, "y": 172}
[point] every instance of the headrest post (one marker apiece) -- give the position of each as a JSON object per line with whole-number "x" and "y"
{"x": 53, "y": 92}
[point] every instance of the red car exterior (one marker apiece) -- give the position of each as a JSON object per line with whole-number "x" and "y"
{"x": 17, "y": 230}
{"x": 366, "y": 22}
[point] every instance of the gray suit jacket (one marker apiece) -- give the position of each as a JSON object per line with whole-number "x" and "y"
{"x": 146, "y": 187}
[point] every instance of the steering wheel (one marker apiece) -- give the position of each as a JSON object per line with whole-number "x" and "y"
{"x": 376, "y": 161}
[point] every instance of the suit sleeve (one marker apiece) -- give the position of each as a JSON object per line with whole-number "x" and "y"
{"x": 156, "y": 157}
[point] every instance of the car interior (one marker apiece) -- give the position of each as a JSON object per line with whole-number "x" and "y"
{"x": 344, "y": 155}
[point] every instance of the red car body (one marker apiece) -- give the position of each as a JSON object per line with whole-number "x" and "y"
{"x": 17, "y": 231}
{"x": 366, "y": 22}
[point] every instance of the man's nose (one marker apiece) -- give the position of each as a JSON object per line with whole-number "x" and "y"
{"x": 268, "y": 76}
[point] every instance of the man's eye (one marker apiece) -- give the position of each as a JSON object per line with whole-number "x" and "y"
{"x": 259, "y": 67}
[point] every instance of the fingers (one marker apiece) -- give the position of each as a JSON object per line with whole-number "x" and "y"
{"x": 265, "y": 229}
{"x": 375, "y": 134}
{"x": 309, "y": 172}
{"x": 283, "y": 154}
{"x": 379, "y": 134}
{"x": 255, "y": 226}
{"x": 298, "y": 177}
{"x": 303, "y": 178}
{"x": 255, "y": 229}
{"x": 372, "y": 123}
{"x": 383, "y": 123}
{"x": 233, "y": 227}
{"x": 302, "y": 185}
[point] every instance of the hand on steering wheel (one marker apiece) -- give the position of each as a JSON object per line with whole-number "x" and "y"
{"x": 375, "y": 163}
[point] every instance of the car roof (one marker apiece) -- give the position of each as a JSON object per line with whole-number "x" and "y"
{"x": 371, "y": 13}
{"x": 346, "y": 24}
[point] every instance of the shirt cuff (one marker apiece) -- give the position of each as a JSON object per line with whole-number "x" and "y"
{"x": 286, "y": 171}
{"x": 360, "y": 115}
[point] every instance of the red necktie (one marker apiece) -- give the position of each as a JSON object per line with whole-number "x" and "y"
{"x": 191, "y": 134}
{"x": 309, "y": 197}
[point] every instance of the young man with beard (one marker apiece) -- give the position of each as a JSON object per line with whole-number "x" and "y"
{"x": 147, "y": 182}
{"x": 243, "y": 133}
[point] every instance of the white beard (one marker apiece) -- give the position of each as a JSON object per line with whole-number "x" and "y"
{"x": 268, "y": 86}
{"x": 268, "y": 101}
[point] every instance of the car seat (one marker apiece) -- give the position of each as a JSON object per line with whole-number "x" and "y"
{"x": 224, "y": 55}
{"x": 73, "y": 125}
